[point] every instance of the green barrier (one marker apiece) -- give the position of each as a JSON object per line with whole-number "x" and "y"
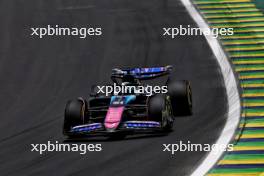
{"x": 259, "y": 4}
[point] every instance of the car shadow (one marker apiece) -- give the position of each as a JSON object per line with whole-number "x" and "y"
{"x": 115, "y": 138}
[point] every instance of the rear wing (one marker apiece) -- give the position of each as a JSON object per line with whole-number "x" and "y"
{"x": 142, "y": 73}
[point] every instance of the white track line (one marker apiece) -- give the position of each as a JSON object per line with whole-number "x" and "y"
{"x": 234, "y": 108}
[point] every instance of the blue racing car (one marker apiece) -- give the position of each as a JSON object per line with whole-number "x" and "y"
{"x": 126, "y": 112}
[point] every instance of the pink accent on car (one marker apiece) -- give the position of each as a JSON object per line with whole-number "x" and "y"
{"x": 113, "y": 117}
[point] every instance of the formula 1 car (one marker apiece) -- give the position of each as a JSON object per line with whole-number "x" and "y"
{"x": 129, "y": 112}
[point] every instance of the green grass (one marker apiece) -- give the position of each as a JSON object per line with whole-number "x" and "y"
{"x": 223, "y": 171}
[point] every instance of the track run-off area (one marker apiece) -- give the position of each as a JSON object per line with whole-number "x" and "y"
{"x": 246, "y": 52}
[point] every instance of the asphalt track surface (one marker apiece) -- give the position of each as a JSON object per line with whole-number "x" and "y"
{"x": 37, "y": 77}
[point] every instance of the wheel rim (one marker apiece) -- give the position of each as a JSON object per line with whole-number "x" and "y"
{"x": 189, "y": 93}
{"x": 167, "y": 112}
{"x": 83, "y": 108}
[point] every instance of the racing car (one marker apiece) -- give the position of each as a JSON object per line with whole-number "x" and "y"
{"x": 129, "y": 112}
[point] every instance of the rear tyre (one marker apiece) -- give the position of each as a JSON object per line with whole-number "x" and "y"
{"x": 181, "y": 97}
{"x": 74, "y": 114}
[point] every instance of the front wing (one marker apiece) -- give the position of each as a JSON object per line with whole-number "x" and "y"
{"x": 127, "y": 126}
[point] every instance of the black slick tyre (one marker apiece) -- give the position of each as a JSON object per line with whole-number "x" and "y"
{"x": 74, "y": 114}
{"x": 181, "y": 97}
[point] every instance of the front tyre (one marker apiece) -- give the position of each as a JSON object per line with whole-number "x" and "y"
{"x": 181, "y": 97}
{"x": 74, "y": 114}
{"x": 159, "y": 109}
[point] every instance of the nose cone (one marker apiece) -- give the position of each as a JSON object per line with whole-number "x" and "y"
{"x": 111, "y": 126}
{"x": 113, "y": 117}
